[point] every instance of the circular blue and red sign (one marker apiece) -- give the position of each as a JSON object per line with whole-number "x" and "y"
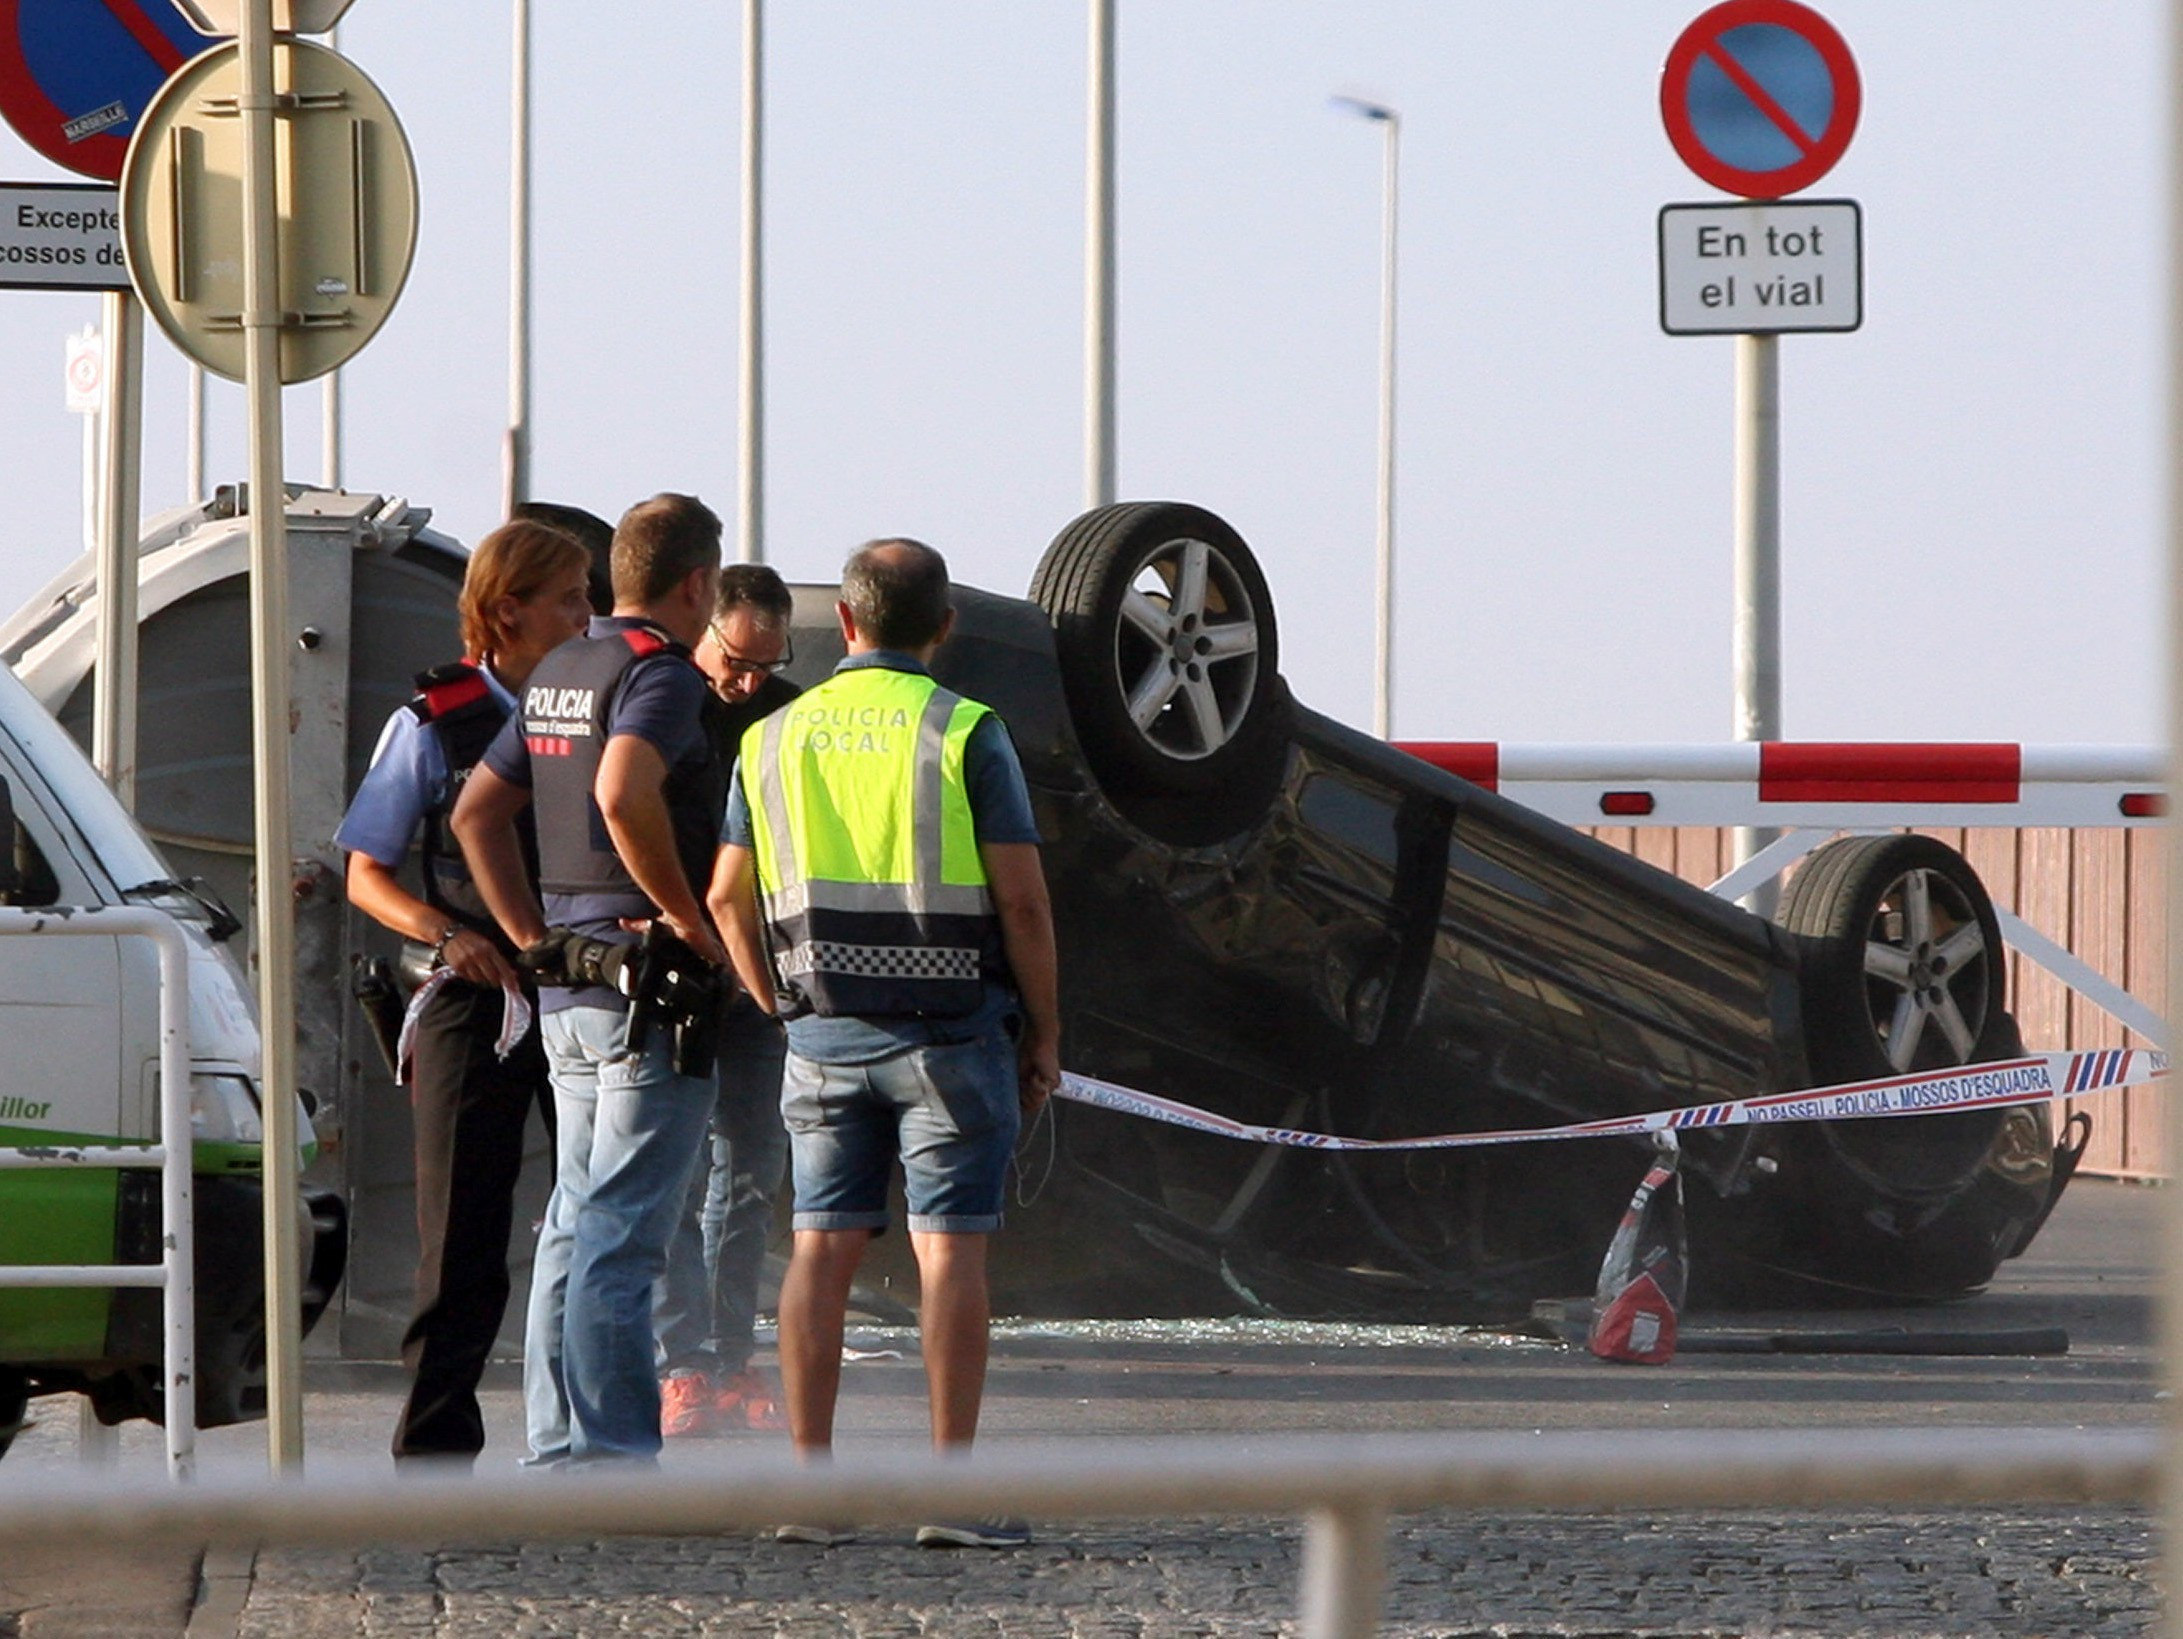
{"x": 75, "y": 74}
{"x": 1760, "y": 97}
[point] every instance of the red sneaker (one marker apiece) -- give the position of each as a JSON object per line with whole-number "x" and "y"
{"x": 688, "y": 1406}
{"x": 745, "y": 1401}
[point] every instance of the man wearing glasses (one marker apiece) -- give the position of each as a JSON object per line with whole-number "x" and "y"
{"x": 708, "y": 1301}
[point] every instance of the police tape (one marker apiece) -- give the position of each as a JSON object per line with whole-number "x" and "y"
{"x": 2037, "y": 1078}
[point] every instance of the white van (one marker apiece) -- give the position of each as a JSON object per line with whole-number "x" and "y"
{"x": 79, "y": 1019}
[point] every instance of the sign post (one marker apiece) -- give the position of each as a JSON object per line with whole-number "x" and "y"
{"x": 261, "y": 320}
{"x": 321, "y": 230}
{"x": 1760, "y": 98}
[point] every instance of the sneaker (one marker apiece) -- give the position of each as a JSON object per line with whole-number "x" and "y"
{"x": 688, "y": 1406}
{"x": 813, "y": 1536}
{"x": 747, "y": 1401}
{"x": 984, "y": 1533}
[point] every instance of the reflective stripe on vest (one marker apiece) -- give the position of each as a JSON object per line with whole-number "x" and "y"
{"x": 873, "y": 893}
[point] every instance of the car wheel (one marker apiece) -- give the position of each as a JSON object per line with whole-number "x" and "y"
{"x": 1904, "y": 971}
{"x": 1164, "y": 629}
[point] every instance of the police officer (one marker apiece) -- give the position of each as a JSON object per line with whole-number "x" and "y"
{"x": 608, "y": 750}
{"x": 907, "y": 938}
{"x": 522, "y": 596}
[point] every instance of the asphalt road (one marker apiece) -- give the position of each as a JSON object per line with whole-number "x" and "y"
{"x": 2037, "y": 1570}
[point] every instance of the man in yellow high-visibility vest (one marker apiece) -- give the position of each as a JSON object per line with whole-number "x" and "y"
{"x": 879, "y": 885}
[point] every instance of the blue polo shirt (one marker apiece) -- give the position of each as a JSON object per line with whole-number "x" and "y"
{"x": 1000, "y": 811}
{"x": 407, "y": 780}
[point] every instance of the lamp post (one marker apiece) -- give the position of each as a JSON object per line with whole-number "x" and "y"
{"x": 1099, "y": 259}
{"x": 750, "y": 379}
{"x": 515, "y": 467}
{"x": 1383, "y": 689}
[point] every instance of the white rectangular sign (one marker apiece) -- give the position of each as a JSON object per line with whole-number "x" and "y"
{"x": 1762, "y": 268}
{"x": 61, "y": 236}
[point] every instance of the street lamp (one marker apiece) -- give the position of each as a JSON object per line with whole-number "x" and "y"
{"x": 1383, "y": 690}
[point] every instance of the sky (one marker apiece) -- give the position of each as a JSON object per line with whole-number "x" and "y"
{"x": 1973, "y": 538}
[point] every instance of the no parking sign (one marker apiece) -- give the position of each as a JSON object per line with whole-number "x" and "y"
{"x": 75, "y": 74}
{"x": 1760, "y": 97}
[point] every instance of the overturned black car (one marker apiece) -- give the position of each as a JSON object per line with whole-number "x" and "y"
{"x": 1290, "y": 923}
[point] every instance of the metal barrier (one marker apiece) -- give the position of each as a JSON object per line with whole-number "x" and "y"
{"x": 1345, "y": 1489}
{"x": 1810, "y": 792}
{"x": 174, "y": 1274}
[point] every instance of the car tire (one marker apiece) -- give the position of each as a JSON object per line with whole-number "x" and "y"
{"x": 1903, "y": 972}
{"x": 1165, "y": 634}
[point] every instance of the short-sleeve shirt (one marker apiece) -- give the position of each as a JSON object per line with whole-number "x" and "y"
{"x": 1000, "y": 812}
{"x": 408, "y": 779}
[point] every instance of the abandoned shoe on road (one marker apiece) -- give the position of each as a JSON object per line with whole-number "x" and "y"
{"x": 984, "y": 1533}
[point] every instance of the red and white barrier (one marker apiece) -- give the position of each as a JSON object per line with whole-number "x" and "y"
{"x": 1842, "y": 786}
{"x": 1810, "y": 790}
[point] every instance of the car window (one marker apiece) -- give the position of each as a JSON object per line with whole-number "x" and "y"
{"x": 35, "y": 883}
{"x": 1361, "y": 821}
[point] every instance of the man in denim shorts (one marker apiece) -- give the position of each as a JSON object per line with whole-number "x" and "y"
{"x": 879, "y": 884}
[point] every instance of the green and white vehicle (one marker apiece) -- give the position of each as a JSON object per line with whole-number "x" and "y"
{"x": 80, "y": 1017}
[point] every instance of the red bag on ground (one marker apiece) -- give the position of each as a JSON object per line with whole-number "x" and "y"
{"x": 1642, "y": 1280}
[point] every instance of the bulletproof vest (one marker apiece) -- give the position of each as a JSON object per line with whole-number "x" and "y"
{"x": 459, "y": 707}
{"x": 566, "y": 708}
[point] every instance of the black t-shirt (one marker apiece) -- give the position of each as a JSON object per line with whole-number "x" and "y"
{"x": 725, "y": 723}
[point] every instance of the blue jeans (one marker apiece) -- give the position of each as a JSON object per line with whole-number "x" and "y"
{"x": 948, "y": 1112}
{"x": 707, "y": 1304}
{"x": 629, "y": 1132}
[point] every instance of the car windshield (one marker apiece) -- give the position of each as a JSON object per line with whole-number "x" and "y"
{"x": 122, "y": 850}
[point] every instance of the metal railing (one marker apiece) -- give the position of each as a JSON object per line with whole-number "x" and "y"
{"x": 174, "y": 1274}
{"x": 1345, "y": 1489}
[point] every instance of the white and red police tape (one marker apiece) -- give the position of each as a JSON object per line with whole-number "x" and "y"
{"x": 2037, "y": 1078}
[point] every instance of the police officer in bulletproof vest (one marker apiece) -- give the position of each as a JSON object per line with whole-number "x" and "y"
{"x": 522, "y": 596}
{"x": 609, "y": 753}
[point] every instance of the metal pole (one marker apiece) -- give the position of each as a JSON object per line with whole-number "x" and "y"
{"x": 515, "y": 487}
{"x": 1758, "y": 568}
{"x": 196, "y": 453}
{"x": 750, "y": 469}
{"x": 179, "y": 1296}
{"x": 1345, "y": 1572}
{"x": 1383, "y": 678}
{"x": 329, "y": 436}
{"x": 2171, "y": 1316}
{"x": 92, "y": 432}
{"x": 1099, "y": 262}
{"x": 1383, "y": 705}
{"x": 113, "y": 689}
{"x": 269, "y": 693}
{"x": 329, "y": 401}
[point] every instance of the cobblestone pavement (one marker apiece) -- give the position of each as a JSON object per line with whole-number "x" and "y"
{"x": 2085, "y": 1573}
